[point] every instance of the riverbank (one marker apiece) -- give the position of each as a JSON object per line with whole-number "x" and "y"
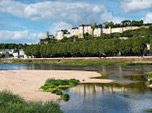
{"x": 27, "y": 83}
{"x": 84, "y": 61}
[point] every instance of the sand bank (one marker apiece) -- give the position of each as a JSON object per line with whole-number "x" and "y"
{"x": 26, "y": 83}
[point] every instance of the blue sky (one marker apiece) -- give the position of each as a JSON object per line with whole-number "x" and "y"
{"x": 25, "y": 21}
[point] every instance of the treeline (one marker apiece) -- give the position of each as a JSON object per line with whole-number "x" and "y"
{"x": 12, "y": 46}
{"x": 123, "y": 23}
{"x": 89, "y": 48}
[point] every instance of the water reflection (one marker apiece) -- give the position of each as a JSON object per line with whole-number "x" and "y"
{"x": 91, "y": 89}
{"x": 108, "y": 98}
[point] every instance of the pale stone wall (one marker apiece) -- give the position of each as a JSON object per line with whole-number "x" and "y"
{"x": 106, "y": 31}
{"x": 88, "y": 29}
{"x": 81, "y": 31}
{"x": 59, "y": 35}
{"x": 97, "y": 32}
{"x": 117, "y": 30}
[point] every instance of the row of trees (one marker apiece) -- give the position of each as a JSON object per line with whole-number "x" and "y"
{"x": 89, "y": 48}
{"x": 124, "y": 23}
{"x": 12, "y": 46}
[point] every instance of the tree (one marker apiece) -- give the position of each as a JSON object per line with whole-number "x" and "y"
{"x": 94, "y": 26}
{"x": 125, "y": 23}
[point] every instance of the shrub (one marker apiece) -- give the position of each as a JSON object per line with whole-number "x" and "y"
{"x": 58, "y": 92}
{"x": 10, "y": 103}
{"x": 65, "y": 97}
{"x": 150, "y": 82}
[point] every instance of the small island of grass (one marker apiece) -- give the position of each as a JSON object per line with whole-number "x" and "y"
{"x": 55, "y": 86}
{"x": 10, "y": 103}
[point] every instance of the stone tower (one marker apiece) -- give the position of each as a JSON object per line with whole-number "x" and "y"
{"x": 46, "y": 34}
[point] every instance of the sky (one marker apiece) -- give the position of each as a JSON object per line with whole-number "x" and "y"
{"x": 26, "y": 21}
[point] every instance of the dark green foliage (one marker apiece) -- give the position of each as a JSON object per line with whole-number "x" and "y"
{"x": 65, "y": 97}
{"x": 89, "y": 48}
{"x": 10, "y": 103}
{"x": 150, "y": 82}
{"x": 12, "y": 46}
{"x": 55, "y": 86}
{"x": 149, "y": 110}
{"x": 11, "y": 55}
{"x": 58, "y": 92}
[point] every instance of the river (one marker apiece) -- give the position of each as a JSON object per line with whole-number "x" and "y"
{"x": 128, "y": 95}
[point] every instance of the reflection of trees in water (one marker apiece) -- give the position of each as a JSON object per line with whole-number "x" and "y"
{"x": 94, "y": 89}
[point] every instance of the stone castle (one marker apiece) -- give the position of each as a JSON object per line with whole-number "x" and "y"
{"x": 97, "y": 32}
{"x": 82, "y": 29}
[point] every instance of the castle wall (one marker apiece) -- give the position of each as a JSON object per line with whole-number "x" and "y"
{"x": 106, "y": 31}
{"x": 97, "y": 32}
{"x": 59, "y": 35}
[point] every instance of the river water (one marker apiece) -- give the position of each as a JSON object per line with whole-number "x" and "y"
{"x": 128, "y": 95}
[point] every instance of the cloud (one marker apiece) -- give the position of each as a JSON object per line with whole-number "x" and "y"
{"x": 67, "y": 14}
{"x": 148, "y": 18}
{"x": 135, "y": 5}
{"x": 58, "y": 26}
{"x": 19, "y": 37}
{"x": 70, "y": 12}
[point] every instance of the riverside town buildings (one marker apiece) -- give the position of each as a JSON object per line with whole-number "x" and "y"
{"x": 82, "y": 29}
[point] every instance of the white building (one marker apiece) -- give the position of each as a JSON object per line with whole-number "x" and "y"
{"x": 97, "y": 32}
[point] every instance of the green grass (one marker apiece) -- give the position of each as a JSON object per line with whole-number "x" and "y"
{"x": 10, "y": 103}
{"x": 149, "y": 110}
{"x": 55, "y": 86}
{"x": 149, "y": 75}
{"x": 83, "y": 63}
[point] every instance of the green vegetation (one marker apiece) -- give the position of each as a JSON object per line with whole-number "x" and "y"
{"x": 149, "y": 110}
{"x": 89, "y": 48}
{"x": 65, "y": 97}
{"x": 10, "y": 103}
{"x": 82, "y": 63}
{"x": 12, "y": 46}
{"x": 55, "y": 86}
{"x": 149, "y": 75}
{"x": 124, "y": 23}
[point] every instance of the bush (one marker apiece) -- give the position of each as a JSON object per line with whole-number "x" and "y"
{"x": 65, "y": 97}
{"x": 58, "y": 92}
{"x": 10, "y": 103}
{"x": 150, "y": 82}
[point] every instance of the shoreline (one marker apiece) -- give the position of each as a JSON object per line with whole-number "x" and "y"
{"x": 84, "y": 61}
{"x": 27, "y": 83}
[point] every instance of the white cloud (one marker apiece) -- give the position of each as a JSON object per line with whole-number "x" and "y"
{"x": 19, "y": 37}
{"x": 58, "y": 26}
{"x": 70, "y": 12}
{"x": 135, "y": 5}
{"x": 148, "y": 18}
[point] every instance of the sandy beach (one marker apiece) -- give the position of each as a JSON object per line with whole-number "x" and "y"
{"x": 27, "y": 83}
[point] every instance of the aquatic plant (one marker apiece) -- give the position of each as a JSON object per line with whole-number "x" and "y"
{"x": 55, "y": 86}
{"x": 10, "y": 103}
{"x": 65, "y": 97}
